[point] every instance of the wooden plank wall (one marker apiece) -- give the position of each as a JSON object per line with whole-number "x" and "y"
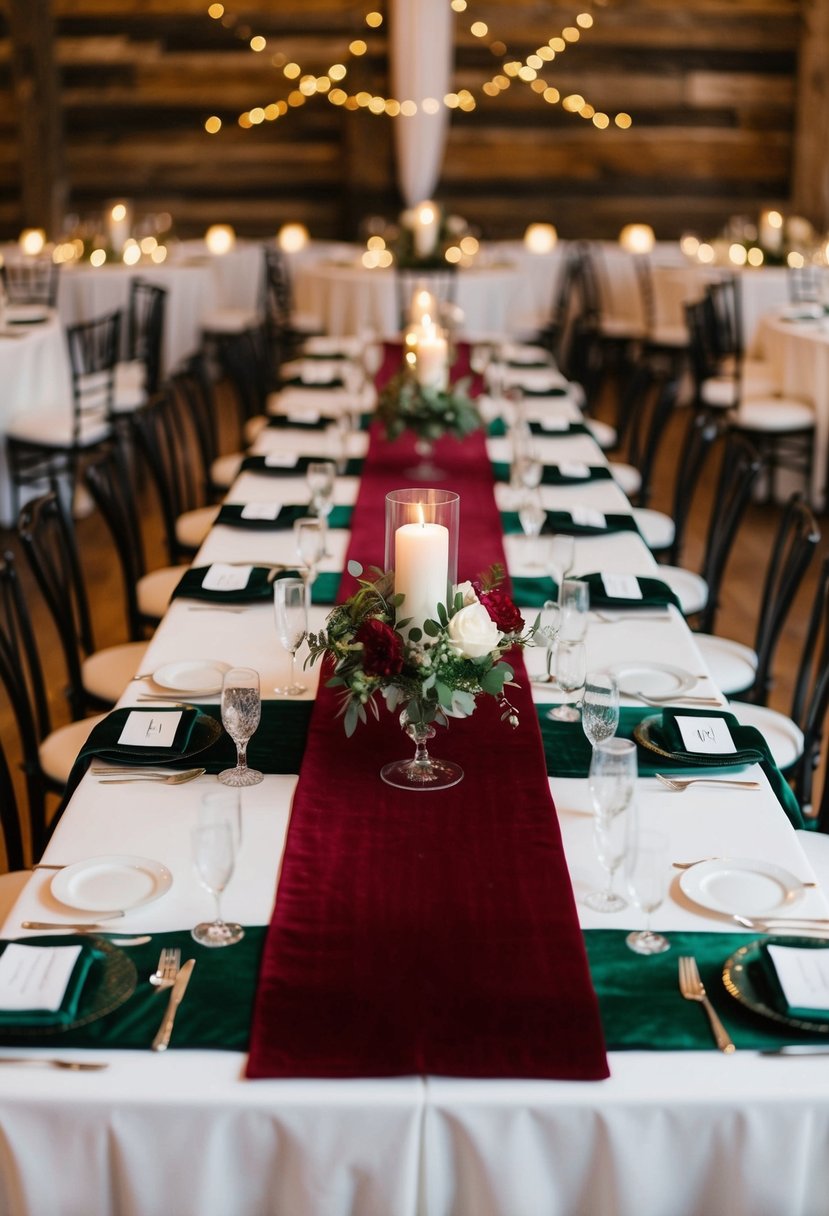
{"x": 711, "y": 86}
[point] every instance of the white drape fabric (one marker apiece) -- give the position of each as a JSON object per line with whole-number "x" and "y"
{"x": 420, "y": 50}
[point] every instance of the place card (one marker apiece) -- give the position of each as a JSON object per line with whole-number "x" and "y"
{"x": 803, "y": 975}
{"x": 307, "y": 416}
{"x": 555, "y": 425}
{"x": 146, "y": 728}
{"x": 622, "y": 586}
{"x": 222, "y": 577}
{"x": 588, "y": 517}
{"x": 574, "y": 469}
{"x": 261, "y": 510}
{"x": 706, "y": 736}
{"x": 35, "y": 977}
{"x": 317, "y": 373}
{"x": 280, "y": 460}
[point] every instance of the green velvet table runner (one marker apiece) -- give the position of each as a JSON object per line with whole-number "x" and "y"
{"x": 639, "y": 999}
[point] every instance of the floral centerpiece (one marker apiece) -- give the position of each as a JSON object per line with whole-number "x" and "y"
{"x": 424, "y": 234}
{"x": 428, "y": 410}
{"x": 431, "y": 674}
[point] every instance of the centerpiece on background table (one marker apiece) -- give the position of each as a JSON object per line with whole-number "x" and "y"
{"x": 426, "y": 644}
{"x": 421, "y": 399}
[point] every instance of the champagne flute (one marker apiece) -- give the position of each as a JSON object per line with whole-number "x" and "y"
{"x": 532, "y": 516}
{"x": 545, "y": 637}
{"x": 321, "y": 476}
{"x": 214, "y": 856}
{"x": 222, "y": 805}
{"x": 241, "y": 711}
{"x": 290, "y": 599}
{"x": 571, "y": 666}
{"x": 612, "y": 784}
{"x": 574, "y": 601}
{"x": 309, "y": 540}
{"x": 561, "y": 557}
{"x": 646, "y": 871}
{"x": 600, "y": 706}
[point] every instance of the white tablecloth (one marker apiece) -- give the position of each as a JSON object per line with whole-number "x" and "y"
{"x": 679, "y": 1133}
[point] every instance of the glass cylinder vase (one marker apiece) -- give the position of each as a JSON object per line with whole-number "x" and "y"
{"x": 422, "y": 549}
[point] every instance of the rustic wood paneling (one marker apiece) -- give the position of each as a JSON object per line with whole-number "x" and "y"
{"x": 711, "y": 86}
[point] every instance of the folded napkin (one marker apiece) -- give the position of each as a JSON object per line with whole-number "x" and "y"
{"x": 550, "y": 432}
{"x": 231, "y": 517}
{"x": 310, "y": 381}
{"x": 259, "y": 586}
{"x": 788, "y": 973}
{"x": 104, "y": 738}
{"x": 281, "y": 422}
{"x": 258, "y": 464}
{"x": 556, "y": 475}
{"x": 562, "y": 522}
{"x": 655, "y": 594}
{"x": 67, "y": 1011}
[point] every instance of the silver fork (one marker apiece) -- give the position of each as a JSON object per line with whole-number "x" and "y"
{"x": 680, "y": 784}
{"x": 693, "y": 989}
{"x": 172, "y": 779}
{"x": 670, "y": 698}
{"x": 168, "y": 964}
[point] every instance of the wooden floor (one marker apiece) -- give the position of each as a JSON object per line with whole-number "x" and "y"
{"x": 736, "y": 619}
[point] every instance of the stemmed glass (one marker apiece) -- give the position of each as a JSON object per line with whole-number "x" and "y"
{"x": 546, "y": 636}
{"x": 612, "y": 783}
{"x": 561, "y": 557}
{"x": 532, "y": 516}
{"x": 241, "y": 711}
{"x": 321, "y": 476}
{"x": 574, "y": 601}
{"x": 646, "y": 869}
{"x": 214, "y": 855}
{"x": 290, "y": 600}
{"x": 571, "y": 666}
{"x": 310, "y": 544}
{"x": 600, "y": 706}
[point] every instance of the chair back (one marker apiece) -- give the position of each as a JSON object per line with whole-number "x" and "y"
{"x": 110, "y": 483}
{"x": 740, "y": 468}
{"x": 810, "y": 701}
{"x": 194, "y": 388}
{"x": 647, "y": 419}
{"x": 93, "y": 353}
{"x": 805, "y": 283}
{"x": 704, "y": 345}
{"x": 21, "y": 676}
{"x": 47, "y": 536}
{"x": 34, "y": 281}
{"x": 244, "y": 360}
{"x": 700, "y": 436}
{"x": 166, "y": 439}
{"x": 10, "y": 826}
{"x": 794, "y": 547}
{"x": 145, "y": 330}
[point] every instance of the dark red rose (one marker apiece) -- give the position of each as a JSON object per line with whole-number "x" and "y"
{"x": 382, "y": 648}
{"x": 502, "y": 611}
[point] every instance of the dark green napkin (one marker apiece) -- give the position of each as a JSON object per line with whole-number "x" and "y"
{"x": 774, "y": 989}
{"x": 561, "y": 522}
{"x": 259, "y": 586}
{"x": 534, "y": 592}
{"x": 527, "y": 364}
{"x": 557, "y": 390}
{"x": 551, "y": 475}
{"x": 68, "y": 1009}
{"x": 257, "y": 464}
{"x": 231, "y": 517}
{"x": 497, "y": 429}
{"x": 298, "y": 382}
{"x": 281, "y": 422}
{"x": 103, "y": 738}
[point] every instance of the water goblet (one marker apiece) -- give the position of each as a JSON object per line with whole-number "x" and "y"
{"x": 241, "y": 711}
{"x": 290, "y": 599}
{"x": 612, "y": 784}
{"x": 570, "y": 667}
{"x": 600, "y": 706}
{"x": 214, "y": 856}
{"x": 646, "y": 871}
{"x": 574, "y": 601}
{"x": 310, "y": 544}
{"x": 321, "y": 476}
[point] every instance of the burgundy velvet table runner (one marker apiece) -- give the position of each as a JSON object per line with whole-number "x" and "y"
{"x": 425, "y": 932}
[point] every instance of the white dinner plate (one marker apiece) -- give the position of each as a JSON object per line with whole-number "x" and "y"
{"x": 654, "y": 679}
{"x": 192, "y": 676}
{"x": 740, "y": 886}
{"x": 111, "y": 884}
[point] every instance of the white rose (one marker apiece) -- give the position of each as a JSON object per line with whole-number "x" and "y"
{"x": 468, "y": 592}
{"x": 472, "y": 632}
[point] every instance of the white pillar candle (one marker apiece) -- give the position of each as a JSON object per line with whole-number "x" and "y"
{"x": 421, "y": 570}
{"x": 425, "y": 229}
{"x": 432, "y": 355}
{"x": 118, "y": 225}
{"x": 423, "y": 305}
{"x": 771, "y": 230}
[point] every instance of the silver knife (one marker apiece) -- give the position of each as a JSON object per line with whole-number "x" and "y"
{"x": 162, "y": 1040}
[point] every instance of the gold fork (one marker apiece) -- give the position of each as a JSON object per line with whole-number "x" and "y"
{"x": 165, "y": 973}
{"x": 693, "y": 989}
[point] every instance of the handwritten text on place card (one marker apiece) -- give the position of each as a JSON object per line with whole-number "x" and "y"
{"x": 588, "y": 517}
{"x": 709, "y": 736}
{"x": 622, "y": 586}
{"x": 803, "y": 975}
{"x": 280, "y": 460}
{"x": 35, "y": 977}
{"x": 221, "y": 577}
{"x": 261, "y": 510}
{"x": 145, "y": 728}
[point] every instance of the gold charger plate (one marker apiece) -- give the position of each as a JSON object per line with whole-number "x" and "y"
{"x": 111, "y": 981}
{"x": 642, "y": 733}
{"x": 745, "y": 980}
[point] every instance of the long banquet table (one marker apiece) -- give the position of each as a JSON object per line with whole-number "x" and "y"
{"x": 679, "y": 1131}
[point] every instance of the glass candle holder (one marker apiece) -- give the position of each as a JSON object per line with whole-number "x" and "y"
{"x": 422, "y": 548}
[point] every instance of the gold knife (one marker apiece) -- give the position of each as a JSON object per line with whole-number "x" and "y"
{"x": 85, "y": 926}
{"x": 162, "y": 1040}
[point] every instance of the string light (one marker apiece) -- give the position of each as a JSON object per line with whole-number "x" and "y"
{"x": 527, "y": 72}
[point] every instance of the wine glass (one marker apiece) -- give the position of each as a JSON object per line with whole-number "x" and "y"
{"x": 612, "y": 784}
{"x": 561, "y": 557}
{"x": 646, "y": 871}
{"x": 321, "y": 476}
{"x": 600, "y": 706}
{"x": 214, "y": 855}
{"x": 310, "y": 544}
{"x": 241, "y": 711}
{"x": 222, "y": 804}
{"x": 290, "y": 600}
{"x": 545, "y": 636}
{"x": 570, "y": 665}
{"x": 574, "y": 601}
